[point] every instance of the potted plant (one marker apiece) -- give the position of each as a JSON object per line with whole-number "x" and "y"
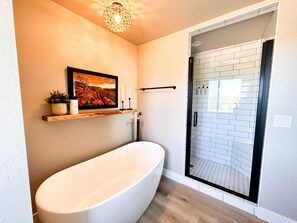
{"x": 59, "y": 101}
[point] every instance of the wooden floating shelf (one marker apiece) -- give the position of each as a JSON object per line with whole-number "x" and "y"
{"x": 54, "y": 118}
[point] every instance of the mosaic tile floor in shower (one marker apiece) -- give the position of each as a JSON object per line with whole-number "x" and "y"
{"x": 220, "y": 174}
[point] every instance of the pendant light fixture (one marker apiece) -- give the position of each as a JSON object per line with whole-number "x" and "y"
{"x": 117, "y": 17}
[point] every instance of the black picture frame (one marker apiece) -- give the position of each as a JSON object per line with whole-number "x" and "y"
{"x": 93, "y": 89}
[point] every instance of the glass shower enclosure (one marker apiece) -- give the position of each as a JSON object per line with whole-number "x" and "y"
{"x": 228, "y": 91}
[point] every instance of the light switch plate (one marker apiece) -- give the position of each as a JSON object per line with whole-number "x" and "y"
{"x": 283, "y": 121}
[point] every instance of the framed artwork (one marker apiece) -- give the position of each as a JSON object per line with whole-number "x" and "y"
{"x": 92, "y": 89}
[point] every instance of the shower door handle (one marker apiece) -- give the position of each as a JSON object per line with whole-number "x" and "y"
{"x": 195, "y": 119}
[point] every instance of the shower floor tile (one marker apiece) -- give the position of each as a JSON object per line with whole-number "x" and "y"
{"x": 220, "y": 174}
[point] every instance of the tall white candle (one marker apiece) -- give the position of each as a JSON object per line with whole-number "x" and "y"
{"x": 129, "y": 91}
{"x": 122, "y": 93}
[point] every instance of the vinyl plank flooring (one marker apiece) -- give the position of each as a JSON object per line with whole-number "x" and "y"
{"x": 176, "y": 203}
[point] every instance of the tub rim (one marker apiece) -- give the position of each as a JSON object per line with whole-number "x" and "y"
{"x": 116, "y": 194}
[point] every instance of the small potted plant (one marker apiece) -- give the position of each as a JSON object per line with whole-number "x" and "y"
{"x": 59, "y": 101}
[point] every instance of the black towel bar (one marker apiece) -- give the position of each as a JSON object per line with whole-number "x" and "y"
{"x": 153, "y": 88}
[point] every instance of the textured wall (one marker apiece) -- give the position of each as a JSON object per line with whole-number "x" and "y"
{"x": 163, "y": 62}
{"x": 50, "y": 38}
{"x": 166, "y": 124}
{"x": 279, "y": 176}
{"x": 15, "y": 206}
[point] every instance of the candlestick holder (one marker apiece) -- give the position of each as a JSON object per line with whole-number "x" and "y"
{"x": 129, "y": 104}
{"x": 122, "y": 109}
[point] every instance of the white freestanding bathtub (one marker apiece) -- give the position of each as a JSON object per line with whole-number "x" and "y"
{"x": 115, "y": 187}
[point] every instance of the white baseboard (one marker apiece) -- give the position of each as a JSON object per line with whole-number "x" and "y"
{"x": 172, "y": 175}
{"x": 237, "y": 202}
{"x": 272, "y": 217}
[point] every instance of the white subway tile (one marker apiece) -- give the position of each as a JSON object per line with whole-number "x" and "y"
{"x": 246, "y": 88}
{"x": 239, "y": 134}
{"x": 219, "y": 141}
{"x": 220, "y": 131}
{"x": 213, "y": 53}
{"x": 229, "y": 62}
{"x": 245, "y": 117}
{"x": 249, "y": 95}
{"x": 220, "y": 151}
{"x": 247, "y": 157}
{"x": 198, "y": 56}
{"x": 258, "y": 63}
{"x": 241, "y": 112}
{"x": 205, "y": 119}
{"x": 249, "y": 46}
{"x": 250, "y": 58}
{"x": 226, "y": 116}
{"x": 204, "y": 129}
{"x": 245, "y": 129}
{"x": 256, "y": 88}
{"x": 227, "y": 137}
{"x": 247, "y": 106}
{"x": 243, "y": 140}
{"x": 231, "y": 49}
{"x": 208, "y": 134}
{"x": 259, "y": 50}
{"x": 225, "y": 57}
{"x": 210, "y": 115}
{"x": 210, "y": 144}
{"x": 206, "y": 153}
{"x": 208, "y": 60}
{"x": 224, "y": 68}
{"x": 218, "y": 160}
{"x": 212, "y": 75}
{"x": 206, "y": 70}
{"x": 223, "y": 157}
{"x": 245, "y": 100}
{"x": 212, "y": 64}
{"x": 239, "y": 123}
{"x": 250, "y": 82}
{"x": 228, "y": 127}
{"x": 226, "y": 148}
{"x": 197, "y": 67}
{"x": 204, "y": 157}
{"x": 246, "y": 77}
{"x": 236, "y": 162}
{"x": 244, "y": 65}
{"x": 229, "y": 73}
{"x": 220, "y": 121}
{"x": 252, "y": 71}
{"x": 246, "y": 53}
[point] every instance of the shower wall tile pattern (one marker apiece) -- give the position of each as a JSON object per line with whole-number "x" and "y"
{"x": 225, "y": 132}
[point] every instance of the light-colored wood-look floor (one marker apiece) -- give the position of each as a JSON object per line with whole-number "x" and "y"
{"x": 176, "y": 203}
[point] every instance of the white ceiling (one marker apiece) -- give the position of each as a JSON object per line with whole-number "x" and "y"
{"x": 152, "y": 19}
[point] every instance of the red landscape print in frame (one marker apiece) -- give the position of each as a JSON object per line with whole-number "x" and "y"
{"x": 92, "y": 89}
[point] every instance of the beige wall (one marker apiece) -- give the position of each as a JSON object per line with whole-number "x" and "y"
{"x": 15, "y": 204}
{"x": 163, "y": 62}
{"x": 279, "y": 171}
{"x": 50, "y": 38}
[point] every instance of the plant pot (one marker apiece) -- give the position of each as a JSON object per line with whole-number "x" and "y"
{"x": 59, "y": 109}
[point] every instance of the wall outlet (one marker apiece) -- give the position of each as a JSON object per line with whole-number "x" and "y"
{"x": 282, "y": 121}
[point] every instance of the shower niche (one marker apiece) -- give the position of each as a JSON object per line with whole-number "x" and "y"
{"x": 227, "y": 100}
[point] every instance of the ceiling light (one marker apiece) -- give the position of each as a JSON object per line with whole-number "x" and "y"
{"x": 116, "y": 17}
{"x": 196, "y": 43}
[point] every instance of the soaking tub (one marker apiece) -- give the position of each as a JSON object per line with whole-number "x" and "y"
{"x": 115, "y": 187}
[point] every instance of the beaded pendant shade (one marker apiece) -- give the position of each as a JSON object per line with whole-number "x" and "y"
{"x": 117, "y": 18}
